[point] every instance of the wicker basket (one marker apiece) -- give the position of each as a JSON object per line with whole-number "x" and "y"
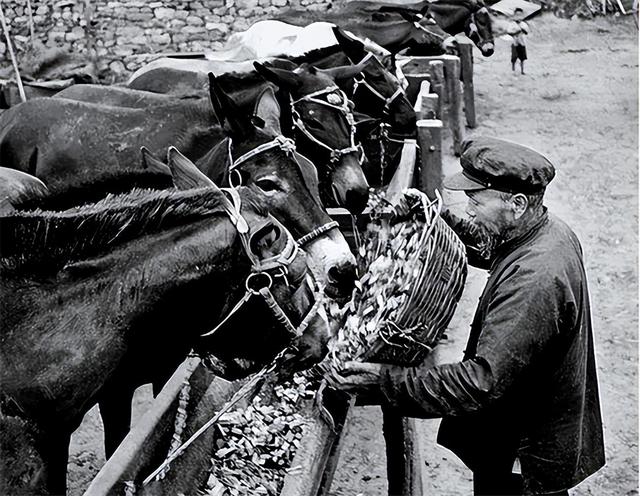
{"x": 414, "y": 270}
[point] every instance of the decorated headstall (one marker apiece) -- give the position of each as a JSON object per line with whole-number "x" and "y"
{"x": 360, "y": 81}
{"x": 288, "y": 146}
{"x": 334, "y": 98}
{"x": 382, "y": 134}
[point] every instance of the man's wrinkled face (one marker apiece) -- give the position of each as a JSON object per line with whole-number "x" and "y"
{"x": 487, "y": 208}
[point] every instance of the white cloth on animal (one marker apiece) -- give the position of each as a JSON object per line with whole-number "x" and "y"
{"x": 274, "y": 38}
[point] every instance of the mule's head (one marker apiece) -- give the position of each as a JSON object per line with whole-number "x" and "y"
{"x": 284, "y": 309}
{"x": 470, "y": 17}
{"x": 325, "y": 130}
{"x": 416, "y": 31}
{"x": 261, "y": 159}
{"x": 376, "y": 91}
{"x": 295, "y": 290}
{"x": 479, "y": 29}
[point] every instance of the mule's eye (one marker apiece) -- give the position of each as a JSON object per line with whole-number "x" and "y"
{"x": 267, "y": 185}
{"x": 315, "y": 124}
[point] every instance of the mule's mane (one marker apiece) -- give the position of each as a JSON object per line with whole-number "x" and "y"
{"x": 313, "y": 55}
{"x": 238, "y": 81}
{"x": 47, "y": 240}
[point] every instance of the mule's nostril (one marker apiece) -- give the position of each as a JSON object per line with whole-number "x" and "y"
{"x": 343, "y": 278}
{"x": 356, "y": 200}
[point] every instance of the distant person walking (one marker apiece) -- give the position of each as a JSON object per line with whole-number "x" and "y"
{"x": 517, "y": 29}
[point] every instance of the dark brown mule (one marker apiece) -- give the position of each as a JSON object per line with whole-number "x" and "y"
{"x": 386, "y": 117}
{"x": 294, "y": 201}
{"x": 323, "y": 132}
{"x": 364, "y": 19}
{"x": 133, "y": 277}
{"x": 470, "y": 17}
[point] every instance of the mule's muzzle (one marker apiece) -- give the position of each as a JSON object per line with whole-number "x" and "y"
{"x": 341, "y": 281}
{"x": 487, "y": 49}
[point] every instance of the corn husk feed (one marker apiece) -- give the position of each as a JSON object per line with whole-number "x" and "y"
{"x": 255, "y": 445}
{"x": 413, "y": 269}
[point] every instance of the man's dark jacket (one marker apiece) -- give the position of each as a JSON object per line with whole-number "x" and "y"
{"x": 527, "y": 386}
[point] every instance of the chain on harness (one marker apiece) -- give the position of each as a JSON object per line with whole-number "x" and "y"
{"x": 337, "y": 100}
{"x": 383, "y": 128}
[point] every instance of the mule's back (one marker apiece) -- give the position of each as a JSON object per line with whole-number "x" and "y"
{"x": 69, "y": 144}
{"x": 181, "y": 76}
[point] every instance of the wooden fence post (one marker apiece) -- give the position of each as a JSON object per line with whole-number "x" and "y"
{"x": 466, "y": 62}
{"x": 430, "y": 141}
{"x": 430, "y": 107}
{"x": 404, "y": 465}
{"x": 436, "y": 75}
{"x": 452, "y": 78}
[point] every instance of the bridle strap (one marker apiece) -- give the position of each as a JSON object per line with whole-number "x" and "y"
{"x": 318, "y": 231}
{"x": 362, "y": 81}
{"x": 334, "y": 153}
{"x": 285, "y": 144}
{"x": 387, "y": 101}
{"x": 237, "y": 307}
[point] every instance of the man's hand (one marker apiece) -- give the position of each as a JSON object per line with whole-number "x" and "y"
{"x": 356, "y": 377}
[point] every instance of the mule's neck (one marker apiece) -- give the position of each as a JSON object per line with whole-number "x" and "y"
{"x": 182, "y": 275}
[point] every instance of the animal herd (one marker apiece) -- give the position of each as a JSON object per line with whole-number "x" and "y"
{"x": 137, "y": 218}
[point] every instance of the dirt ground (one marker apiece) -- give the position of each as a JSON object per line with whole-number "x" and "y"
{"x": 578, "y": 103}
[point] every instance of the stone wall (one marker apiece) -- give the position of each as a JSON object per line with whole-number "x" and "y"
{"x": 121, "y": 32}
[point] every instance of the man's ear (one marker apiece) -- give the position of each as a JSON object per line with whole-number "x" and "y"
{"x": 520, "y": 204}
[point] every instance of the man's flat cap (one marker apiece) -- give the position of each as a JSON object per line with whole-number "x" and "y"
{"x": 502, "y": 165}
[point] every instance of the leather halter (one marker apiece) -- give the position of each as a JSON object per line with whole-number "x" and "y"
{"x": 264, "y": 270}
{"x": 362, "y": 81}
{"x": 288, "y": 146}
{"x": 335, "y": 154}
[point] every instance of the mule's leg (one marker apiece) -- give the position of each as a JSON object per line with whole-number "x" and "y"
{"x": 22, "y": 468}
{"x": 115, "y": 410}
{"x": 54, "y": 449}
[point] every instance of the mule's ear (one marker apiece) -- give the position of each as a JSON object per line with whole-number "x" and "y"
{"x": 268, "y": 109}
{"x": 281, "y": 64}
{"x": 345, "y": 71}
{"x": 226, "y": 110}
{"x": 409, "y": 15}
{"x": 152, "y": 163}
{"x": 352, "y": 47}
{"x": 185, "y": 174}
{"x": 282, "y": 78}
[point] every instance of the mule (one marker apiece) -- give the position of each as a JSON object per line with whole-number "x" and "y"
{"x": 87, "y": 290}
{"x": 376, "y": 92}
{"x": 425, "y": 30}
{"x": 470, "y": 17}
{"x": 322, "y": 130}
{"x": 295, "y": 199}
{"x": 392, "y": 32}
